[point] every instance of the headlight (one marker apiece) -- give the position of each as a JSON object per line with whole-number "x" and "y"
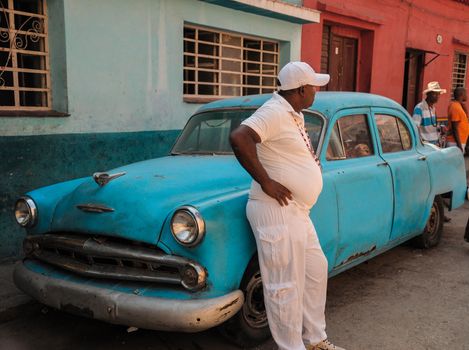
{"x": 187, "y": 226}
{"x": 25, "y": 212}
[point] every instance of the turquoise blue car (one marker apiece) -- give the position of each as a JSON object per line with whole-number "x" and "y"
{"x": 164, "y": 244}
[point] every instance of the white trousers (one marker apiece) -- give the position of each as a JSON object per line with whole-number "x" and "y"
{"x": 294, "y": 273}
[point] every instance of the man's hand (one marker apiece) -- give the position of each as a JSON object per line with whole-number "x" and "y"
{"x": 277, "y": 191}
{"x": 243, "y": 140}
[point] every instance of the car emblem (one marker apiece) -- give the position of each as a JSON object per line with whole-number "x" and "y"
{"x": 103, "y": 178}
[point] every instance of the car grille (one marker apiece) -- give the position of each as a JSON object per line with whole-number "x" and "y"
{"x": 105, "y": 257}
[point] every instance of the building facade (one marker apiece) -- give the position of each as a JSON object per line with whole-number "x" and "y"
{"x": 390, "y": 47}
{"x": 87, "y": 85}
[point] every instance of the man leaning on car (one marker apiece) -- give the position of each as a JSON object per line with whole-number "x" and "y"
{"x": 275, "y": 149}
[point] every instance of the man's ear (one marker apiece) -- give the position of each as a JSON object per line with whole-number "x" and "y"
{"x": 301, "y": 90}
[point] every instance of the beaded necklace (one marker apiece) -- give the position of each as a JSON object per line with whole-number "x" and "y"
{"x": 307, "y": 141}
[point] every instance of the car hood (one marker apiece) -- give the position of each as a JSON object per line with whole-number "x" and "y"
{"x": 149, "y": 191}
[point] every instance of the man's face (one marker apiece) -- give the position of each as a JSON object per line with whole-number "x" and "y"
{"x": 308, "y": 96}
{"x": 464, "y": 96}
{"x": 432, "y": 97}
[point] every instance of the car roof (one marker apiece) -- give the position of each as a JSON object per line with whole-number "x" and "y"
{"x": 328, "y": 103}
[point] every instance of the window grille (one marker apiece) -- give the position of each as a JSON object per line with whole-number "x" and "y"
{"x": 24, "y": 55}
{"x": 459, "y": 70}
{"x": 221, "y": 64}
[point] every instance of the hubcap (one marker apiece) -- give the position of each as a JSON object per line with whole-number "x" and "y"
{"x": 433, "y": 222}
{"x": 253, "y": 307}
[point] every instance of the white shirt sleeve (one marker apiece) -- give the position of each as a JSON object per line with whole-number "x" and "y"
{"x": 265, "y": 122}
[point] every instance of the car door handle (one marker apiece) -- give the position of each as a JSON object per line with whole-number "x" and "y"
{"x": 422, "y": 158}
{"x": 383, "y": 164}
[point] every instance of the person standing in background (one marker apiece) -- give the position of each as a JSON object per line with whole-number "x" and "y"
{"x": 424, "y": 115}
{"x": 458, "y": 124}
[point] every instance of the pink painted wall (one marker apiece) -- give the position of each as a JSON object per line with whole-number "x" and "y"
{"x": 391, "y": 27}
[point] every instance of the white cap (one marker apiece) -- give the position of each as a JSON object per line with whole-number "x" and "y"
{"x": 296, "y": 74}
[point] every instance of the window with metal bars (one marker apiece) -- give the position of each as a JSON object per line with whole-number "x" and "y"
{"x": 221, "y": 64}
{"x": 24, "y": 56}
{"x": 459, "y": 70}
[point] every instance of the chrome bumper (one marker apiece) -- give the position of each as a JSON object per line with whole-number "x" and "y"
{"x": 128, "y": 309}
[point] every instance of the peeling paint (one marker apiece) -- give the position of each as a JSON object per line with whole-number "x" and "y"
{"x": 357, "y": 255}
{"x": 229, "y": 304}
{"x": 223, "y": 317}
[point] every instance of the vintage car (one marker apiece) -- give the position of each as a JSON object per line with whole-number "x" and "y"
{"x": 164, "y": 243}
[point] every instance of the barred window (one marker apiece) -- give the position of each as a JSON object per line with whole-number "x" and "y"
{"x": 459, "y": 70}
{"x": 220, "y": 64}
{"x": 24, "y": 55}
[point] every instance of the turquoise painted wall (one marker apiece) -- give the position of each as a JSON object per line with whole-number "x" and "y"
{"x": 116, "y": 69}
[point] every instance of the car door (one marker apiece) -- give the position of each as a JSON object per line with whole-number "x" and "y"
{"x": 362, "y": 183}
{"x": 411, "y": 180}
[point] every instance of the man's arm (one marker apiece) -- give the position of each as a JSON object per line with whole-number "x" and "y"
{"x": 417, "y": 117}
{"x": 454, "y": 129}
{"x": 243, "y": 141}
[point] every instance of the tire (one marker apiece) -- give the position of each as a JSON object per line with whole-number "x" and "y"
{"x": 433, "y": 230}
{"x": 249, "y": 327}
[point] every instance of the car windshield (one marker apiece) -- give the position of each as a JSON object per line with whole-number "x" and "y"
{"x": 208, "y": 133}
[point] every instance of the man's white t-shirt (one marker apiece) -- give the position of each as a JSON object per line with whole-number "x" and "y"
{"x": 284, "y": 153}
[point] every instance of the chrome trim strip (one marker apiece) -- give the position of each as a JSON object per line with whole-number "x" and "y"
{"x": 96, "y": 248}
{"x": 116, "y": 307}
{"x": 104, "y": 271}
{"x": 94, "y": 208}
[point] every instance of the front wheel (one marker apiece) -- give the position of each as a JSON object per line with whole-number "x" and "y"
{"x": 433, "y": 230}
{"x": 249, "y": 326}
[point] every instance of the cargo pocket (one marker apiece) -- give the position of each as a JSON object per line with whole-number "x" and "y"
{"x": 284, "y": 305}
{"x": 275, "y": 246}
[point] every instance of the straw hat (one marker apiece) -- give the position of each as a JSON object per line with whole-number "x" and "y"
{"x": 434, "y": 86}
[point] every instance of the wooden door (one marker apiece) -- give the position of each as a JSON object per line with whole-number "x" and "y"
{"x": 412, "y": 79}
{"x": 342, "y": 63}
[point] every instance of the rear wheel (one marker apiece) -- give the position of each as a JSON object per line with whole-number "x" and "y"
{"x": 249, "y": 326}
{"x": 433, "y": 230}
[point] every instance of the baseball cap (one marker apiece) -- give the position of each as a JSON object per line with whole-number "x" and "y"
{"x": 296, "y": 74}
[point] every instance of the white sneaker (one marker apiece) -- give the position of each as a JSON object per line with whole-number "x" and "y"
{"x": 324, "y": 345}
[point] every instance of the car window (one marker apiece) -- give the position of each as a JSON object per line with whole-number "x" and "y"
{"x": 350, "y": 138}
{"x": 208, "y": 133}
{"x": 393, "y": 133}
{"x": 313, "y": 125}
